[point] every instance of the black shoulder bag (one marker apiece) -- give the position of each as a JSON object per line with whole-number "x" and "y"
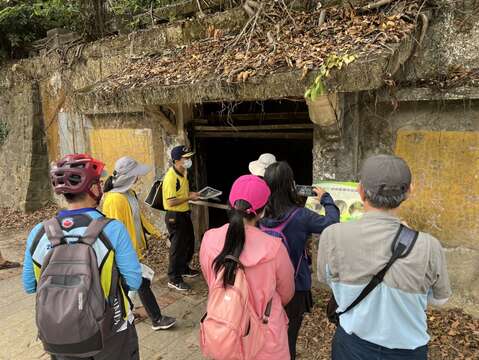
{"x": 155, "y": 195}
{"x": 401, "y": 247}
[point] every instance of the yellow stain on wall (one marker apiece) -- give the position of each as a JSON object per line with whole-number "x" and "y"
{"x": 51, "y": 105}
{"x": 445, "y": 169}
{"x": 109, "y": 145}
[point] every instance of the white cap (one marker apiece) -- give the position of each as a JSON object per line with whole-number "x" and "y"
{"x": 258, "y": 167}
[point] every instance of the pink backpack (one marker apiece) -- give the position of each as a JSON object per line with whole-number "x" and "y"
{"x": 230, "y": 329}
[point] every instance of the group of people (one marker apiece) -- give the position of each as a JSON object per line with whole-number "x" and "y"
{"x": 382, "y": 274}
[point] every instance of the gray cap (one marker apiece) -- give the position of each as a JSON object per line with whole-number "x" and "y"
{"x": 126, "y": 172}
{"x": 385, "y": 175}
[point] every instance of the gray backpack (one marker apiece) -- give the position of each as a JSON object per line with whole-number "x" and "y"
{"x": 72, "y": 315}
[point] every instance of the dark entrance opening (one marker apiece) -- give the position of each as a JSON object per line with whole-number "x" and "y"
{"x": 225, "y": 148}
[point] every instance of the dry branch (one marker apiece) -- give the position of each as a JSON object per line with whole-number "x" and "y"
{"x": 322, "y": 18}
{"x": 376, "y": 5}
{"x": 425, "y": 26}
{"x": 268, "y": 43}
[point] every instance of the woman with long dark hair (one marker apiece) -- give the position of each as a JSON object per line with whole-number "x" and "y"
{"x": 264, "y": 259}
{"x": 285, "y": 209}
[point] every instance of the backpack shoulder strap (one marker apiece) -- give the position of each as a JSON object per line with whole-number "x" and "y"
{"x": 54, "y": 232}
{"x": 283, "y": 225}
{"x": 288, "y": 220}
{"x": 402, "y": 246}
{"x": 94, "y": 230}
{"x": 404, "y": 241}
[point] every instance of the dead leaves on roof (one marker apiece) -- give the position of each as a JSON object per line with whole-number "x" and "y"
{"x": 280, "y": 41}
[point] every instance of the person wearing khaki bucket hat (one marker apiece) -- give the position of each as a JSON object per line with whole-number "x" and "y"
{"x": 121, "y": 203}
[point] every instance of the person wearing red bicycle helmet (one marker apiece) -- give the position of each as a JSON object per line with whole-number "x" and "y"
{"x": 77, "y": 178}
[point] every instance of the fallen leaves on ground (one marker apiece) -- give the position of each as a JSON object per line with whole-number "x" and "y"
{"x": 156, "y": 256}
{"x": 17, "y": 220}
{"x": 454, "y": 334}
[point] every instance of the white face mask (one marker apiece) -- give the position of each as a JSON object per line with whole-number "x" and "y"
{"x": 187, "y": 163}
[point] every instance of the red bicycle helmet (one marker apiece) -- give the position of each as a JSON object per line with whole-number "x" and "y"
{"x": 75, "y": 174}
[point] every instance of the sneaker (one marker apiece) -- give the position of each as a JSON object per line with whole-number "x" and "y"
{"x": 190, "y": 273}
{"x": 182, "y": 286}
{"x": 164, "y": 323}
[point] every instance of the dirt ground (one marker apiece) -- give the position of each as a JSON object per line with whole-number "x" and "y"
{"x": 454, "y": 334}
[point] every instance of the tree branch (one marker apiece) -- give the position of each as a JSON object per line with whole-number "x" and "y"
{"x": 322, "y": 18}
{"x": 425, "y": 26}
{"x": 376, "y": 5}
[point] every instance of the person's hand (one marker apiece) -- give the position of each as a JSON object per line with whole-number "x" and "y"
{"x": 194, "y": 196}
{"x": 319, "y": 192}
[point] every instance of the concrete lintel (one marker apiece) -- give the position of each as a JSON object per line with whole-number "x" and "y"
{"x": 430, "y": 94}
{"x": 105, "y": 110}
{"x": 362, "y": 75}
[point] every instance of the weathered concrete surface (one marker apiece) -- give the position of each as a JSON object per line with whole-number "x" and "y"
{"x": 358, "y": 76}
{"x": 439, "y": 140}
{"x": 445, "y": 201}
{"x": 463, "y": 266}
{"x": 23, "y": 156}
{"x": 33, "y": 92}
{"x": 368, "y": 126}
{"x": 18, "y": 330}
{"x": 59, "y": 74}
{"x": 452, "y": 41}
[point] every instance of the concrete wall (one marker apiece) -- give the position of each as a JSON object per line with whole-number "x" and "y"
{"x": 440, "y": 141}
{"x": 137, "y": 135}
{"x": 37, "y": 99}
{"x": 56, "y": 77}
{"x": 23, "y": 157}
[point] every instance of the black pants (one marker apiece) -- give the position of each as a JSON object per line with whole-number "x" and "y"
{"x": 148, "y": 300}
{"x": 351, "y": 347}
{"x": 301, "y": 303}
{"x": 121, "y": 346}
{"x": 182, "y": 238}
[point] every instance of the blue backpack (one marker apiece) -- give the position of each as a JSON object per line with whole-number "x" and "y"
{"x": 278, "y": 231}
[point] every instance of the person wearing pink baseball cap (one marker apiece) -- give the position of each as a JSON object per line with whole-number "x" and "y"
{"x": 264, "y": 258}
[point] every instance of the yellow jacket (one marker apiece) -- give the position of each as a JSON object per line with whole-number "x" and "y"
{"x": 116, "y": 206}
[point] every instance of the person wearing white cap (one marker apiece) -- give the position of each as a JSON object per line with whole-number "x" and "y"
{"x": 258, "y": 167}
{"x": 122, "y": 204}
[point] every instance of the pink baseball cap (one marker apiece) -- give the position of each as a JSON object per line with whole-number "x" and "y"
{"x": 252, "y": 189}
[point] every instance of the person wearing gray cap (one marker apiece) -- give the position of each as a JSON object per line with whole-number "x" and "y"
{"x": 386, "y": 320}
{"x": 122, "y": 204}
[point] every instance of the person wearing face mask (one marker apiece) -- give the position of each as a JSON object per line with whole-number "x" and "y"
{"x": 176, "y": 194}
{"x": 121, "y": 203}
